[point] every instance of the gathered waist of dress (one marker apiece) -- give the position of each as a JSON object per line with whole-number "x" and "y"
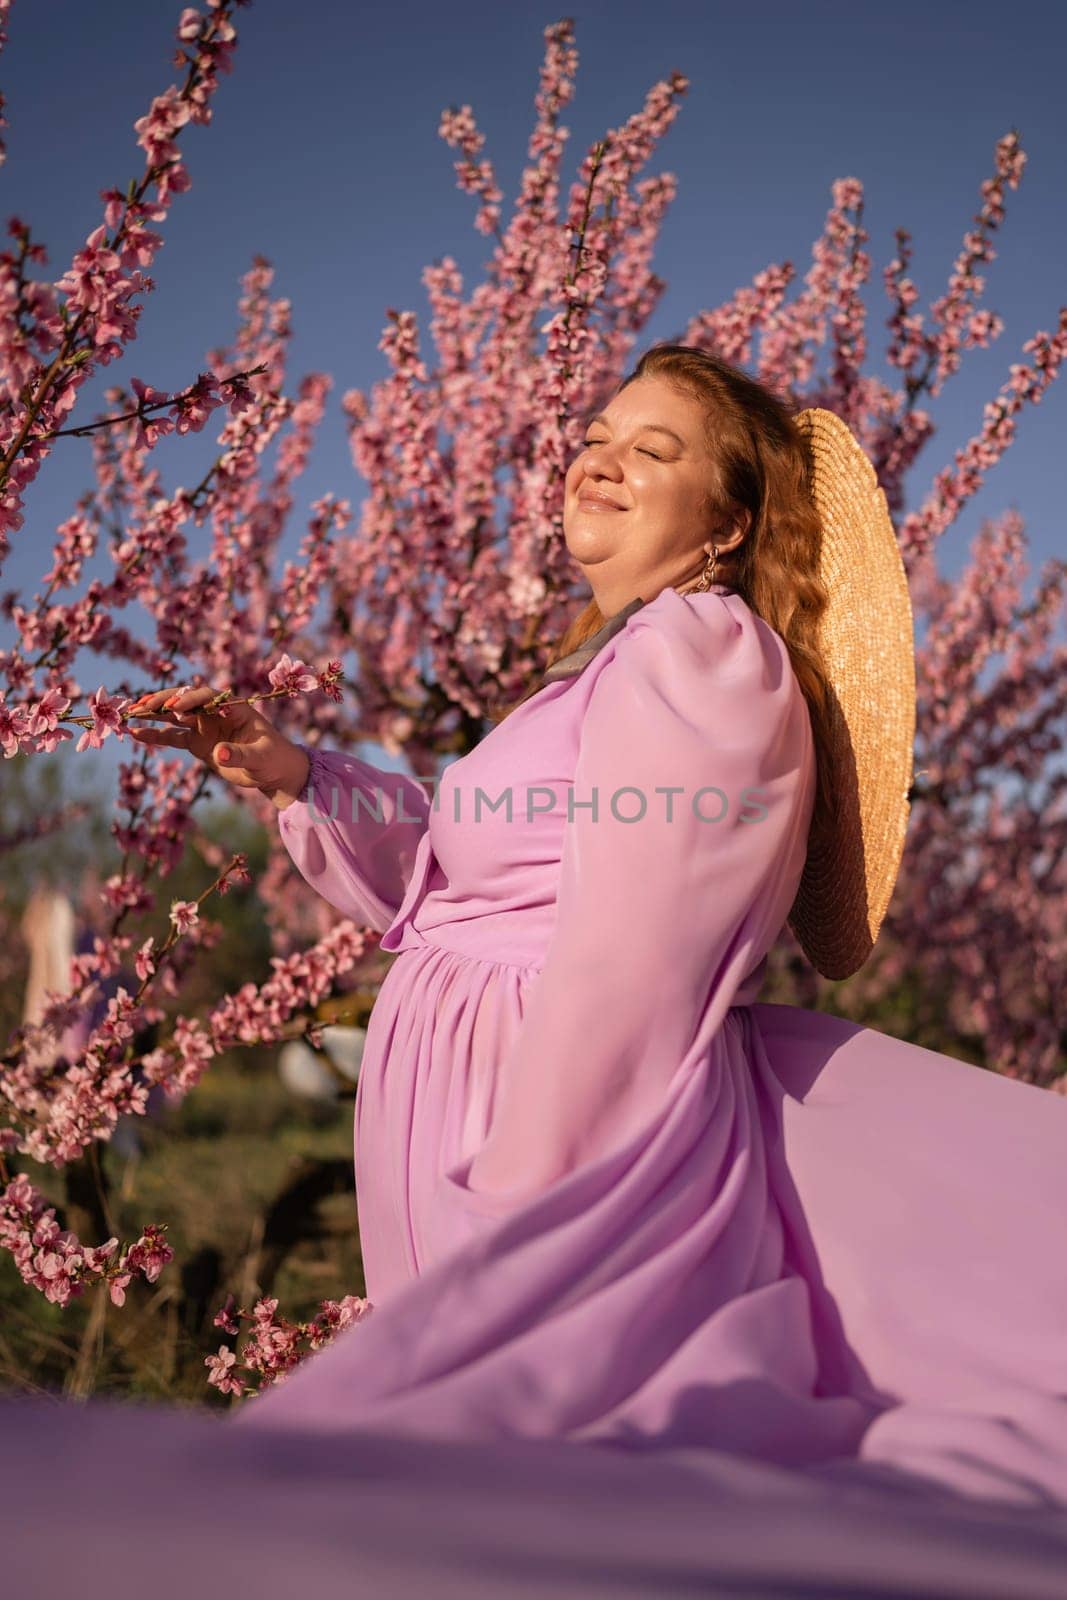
{"x": 472, "y": 941}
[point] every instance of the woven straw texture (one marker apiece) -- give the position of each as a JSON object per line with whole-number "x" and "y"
{"x": 867, "y": 638}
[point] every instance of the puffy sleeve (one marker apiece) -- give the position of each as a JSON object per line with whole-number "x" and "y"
{"x": 696, "y": 746}
{"x": 353, "y": 832}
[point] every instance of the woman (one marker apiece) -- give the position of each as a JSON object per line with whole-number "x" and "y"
{"x": 606, "y": 1196}
{"x": 570, "y": 1114}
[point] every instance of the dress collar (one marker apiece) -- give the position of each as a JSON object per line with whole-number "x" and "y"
{"x": 570, "y": 665}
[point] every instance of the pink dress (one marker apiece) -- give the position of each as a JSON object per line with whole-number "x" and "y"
{"x": 607, "y": 1196}
{"x": 799, "y": 1287}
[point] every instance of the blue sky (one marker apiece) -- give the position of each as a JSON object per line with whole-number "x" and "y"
{"x": 324, "y": 157}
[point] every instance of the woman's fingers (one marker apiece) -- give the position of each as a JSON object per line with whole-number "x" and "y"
{"x": 235, "y": 767}
{"x": 150, "y": 704}
{"x": 242, "y": 758}
{"x": 178, "y": 738}
{"x": 180, "y": 699}
{"x": 183, "y": 700}
{"x": 230, "y": 758}
{"x": 237, "y": 764}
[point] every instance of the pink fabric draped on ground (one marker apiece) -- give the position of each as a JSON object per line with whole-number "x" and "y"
{"x": 609, "y": 1198}
{"x": 113, "y": 1502}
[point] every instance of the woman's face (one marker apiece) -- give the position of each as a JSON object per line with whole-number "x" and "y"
{"x": 645, "y": 456}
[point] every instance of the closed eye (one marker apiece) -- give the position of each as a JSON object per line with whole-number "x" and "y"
{"x": 641, "y": 452}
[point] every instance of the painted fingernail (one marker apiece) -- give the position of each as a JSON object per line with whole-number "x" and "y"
{"x": 224, "y": 752}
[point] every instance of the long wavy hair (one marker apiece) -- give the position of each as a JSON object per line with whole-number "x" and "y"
{"x": 760, "y": 465}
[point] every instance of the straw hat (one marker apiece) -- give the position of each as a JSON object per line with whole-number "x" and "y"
{"x": 868, "y": 644}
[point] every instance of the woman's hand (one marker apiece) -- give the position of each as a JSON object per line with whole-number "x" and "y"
{"x": 236, "y": 741}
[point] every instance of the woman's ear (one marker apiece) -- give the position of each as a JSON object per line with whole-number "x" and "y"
{"x": 746, "y": 520}
{"x": 734, "y": 529}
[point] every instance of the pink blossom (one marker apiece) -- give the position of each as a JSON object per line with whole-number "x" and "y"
{"x": 14, "y": 730}
{"x": 225, "y": 1319}
{"x": 149, "y": 430}
{"x": 149, "y": 1255}
{"x": 44, "y": 716}
{"x": 293, "y": 677}
{"x": 145, "y": 965}
{"x": 105, "y": 712}
{"x": 185, "y": 915}
{"x": 219, "y": 1371}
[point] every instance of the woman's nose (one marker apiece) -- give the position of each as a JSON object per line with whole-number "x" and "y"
{"x": 599, "y": 460}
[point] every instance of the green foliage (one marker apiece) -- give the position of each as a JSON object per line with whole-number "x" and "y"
{"x": 254, "y": 1184}
{"x": 213, "y": 1168}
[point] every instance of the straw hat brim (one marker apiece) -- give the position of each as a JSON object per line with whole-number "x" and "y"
{"x": 868, "y": 644}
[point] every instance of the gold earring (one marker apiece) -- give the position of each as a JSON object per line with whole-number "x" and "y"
{"x": 707, "y": 577}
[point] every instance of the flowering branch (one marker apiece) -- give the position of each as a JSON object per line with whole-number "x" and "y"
{"x": 274, "y": 1345}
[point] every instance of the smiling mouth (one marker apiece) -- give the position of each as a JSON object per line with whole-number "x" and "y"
{"x": 591, "y": 503}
